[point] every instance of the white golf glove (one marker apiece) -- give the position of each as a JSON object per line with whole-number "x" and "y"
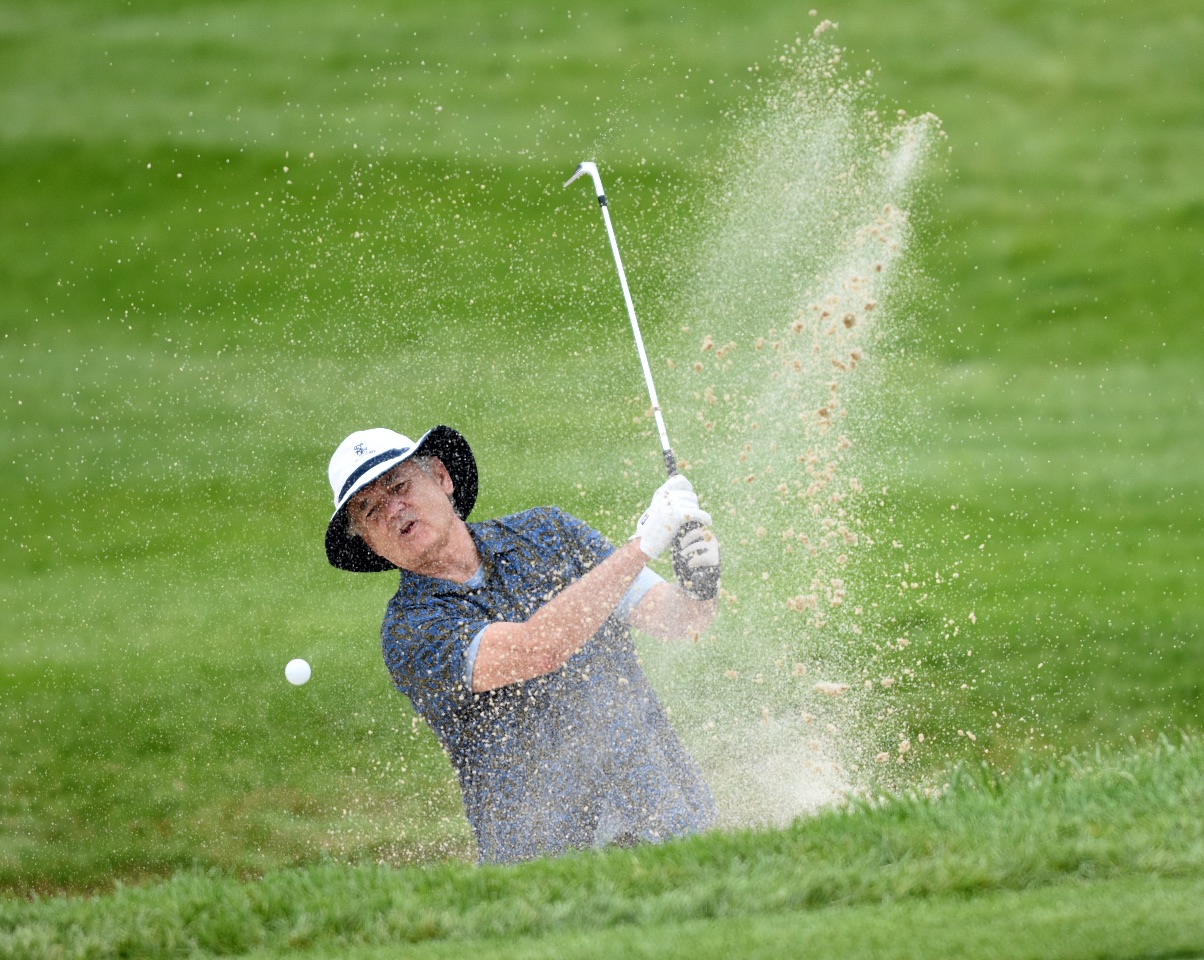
{"x": 696, "y": 562}
{"x": 673, "y": 505}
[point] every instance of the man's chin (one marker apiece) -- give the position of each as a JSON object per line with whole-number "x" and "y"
{"x": 409, "y": 551}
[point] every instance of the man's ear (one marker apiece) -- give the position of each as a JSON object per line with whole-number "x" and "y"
{"x": 442, "y": 477}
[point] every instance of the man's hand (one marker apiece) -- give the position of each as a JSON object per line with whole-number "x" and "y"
{"x": 696, "y": 562}
{"x": 673, "y": 505}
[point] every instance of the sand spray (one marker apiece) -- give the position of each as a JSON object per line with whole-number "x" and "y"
{"x": 776, "y": 408}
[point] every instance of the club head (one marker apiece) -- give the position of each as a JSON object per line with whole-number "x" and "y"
{"x": 591, "y": 168}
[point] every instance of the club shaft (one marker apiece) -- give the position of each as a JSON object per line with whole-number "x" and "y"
{"x": 666, "y": 449}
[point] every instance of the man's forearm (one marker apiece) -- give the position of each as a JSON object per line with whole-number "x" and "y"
{"x": 510, "y": 652}
{"x": 667, "y": 613}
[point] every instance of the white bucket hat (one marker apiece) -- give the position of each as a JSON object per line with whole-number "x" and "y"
{"x": 368, "y": 454}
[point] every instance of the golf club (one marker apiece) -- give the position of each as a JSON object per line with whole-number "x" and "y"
{"x": 704, "y": 584}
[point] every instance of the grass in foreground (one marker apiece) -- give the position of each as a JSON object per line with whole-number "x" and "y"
{"x": 1116, "y": 918}
{"x": 1126, "y": 821}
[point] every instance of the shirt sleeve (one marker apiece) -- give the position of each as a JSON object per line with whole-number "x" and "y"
{"x": 470, "y": 656}
{"x": 635, "y": 593}
{"x": 425, "y": 647}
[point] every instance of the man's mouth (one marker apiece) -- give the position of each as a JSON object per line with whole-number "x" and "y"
{"x": 406, "y": 527}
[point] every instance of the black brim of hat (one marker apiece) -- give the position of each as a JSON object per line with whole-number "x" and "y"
{"x": 353, "y": 554}
{"x": 453, "y": 450}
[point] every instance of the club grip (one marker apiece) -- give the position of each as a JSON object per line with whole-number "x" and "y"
{"x": 698, "y": 584}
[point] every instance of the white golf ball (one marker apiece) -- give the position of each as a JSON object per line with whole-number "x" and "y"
{"x": 297, "y": 672}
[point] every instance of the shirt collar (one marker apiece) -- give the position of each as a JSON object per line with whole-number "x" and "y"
{"x": 491, "y": 539}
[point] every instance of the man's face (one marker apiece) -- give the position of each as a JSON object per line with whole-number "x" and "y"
{"x": 407, "y": 516}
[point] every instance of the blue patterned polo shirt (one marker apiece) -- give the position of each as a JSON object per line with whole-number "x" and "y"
{"x": 579, "y": 757}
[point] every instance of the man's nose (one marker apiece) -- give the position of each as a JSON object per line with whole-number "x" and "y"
{"x": 395, "y": 503}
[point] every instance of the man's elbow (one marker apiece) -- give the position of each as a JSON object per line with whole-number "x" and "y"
{"x": 687, "y": 620}
{"x": 700, "y": 616}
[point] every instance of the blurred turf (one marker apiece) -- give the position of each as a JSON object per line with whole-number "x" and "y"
{"x": 230, "y": 233}
{"x": 1102, "y": 848}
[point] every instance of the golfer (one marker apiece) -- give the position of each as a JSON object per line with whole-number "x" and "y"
{"x": 511, "y": 638}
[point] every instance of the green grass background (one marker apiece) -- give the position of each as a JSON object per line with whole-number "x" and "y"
{"x": 230, "y": 233}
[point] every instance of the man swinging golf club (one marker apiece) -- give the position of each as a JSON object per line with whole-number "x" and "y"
{"x": 511, "y": 637}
